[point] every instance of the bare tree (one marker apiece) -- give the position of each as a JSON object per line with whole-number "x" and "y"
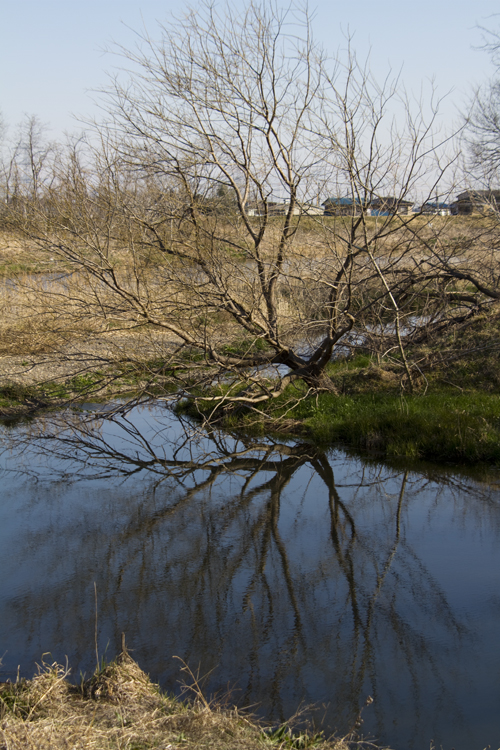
{"x": 483, "y": 118}
{"x": 197, "y": 214}
{"x": 28, "y": 162}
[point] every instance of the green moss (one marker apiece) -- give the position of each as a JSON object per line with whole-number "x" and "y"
{"x": 240, "y": 347}
{"x": 15, "y": 393}
{"x": 15, "y": 269}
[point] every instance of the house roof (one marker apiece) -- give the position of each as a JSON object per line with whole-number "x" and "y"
{"x": 390, "y": 201}
{"x": 479, "y": 195}
{"x": 341, "y": 201}
{"x": 433, "y": 204}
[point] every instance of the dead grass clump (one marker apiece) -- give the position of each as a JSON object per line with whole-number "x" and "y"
{"x": 120, "y": 709}
{"x": 38, "y": 697}
{"x": 121, "y": 681}
{"x": 365, "y": 379}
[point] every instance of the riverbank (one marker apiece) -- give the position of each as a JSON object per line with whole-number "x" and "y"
{"x": 441, "y": 426}
{"x": 444, "y": 421}
{"x": 451, "y": 414}
{"x": 119, "y": 707}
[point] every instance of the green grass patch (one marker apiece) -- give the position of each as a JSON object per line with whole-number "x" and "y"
{"x": 8, "y": 270}
{"x": 372, "y": 414}
{"x": 440, "y": 426}
{"x": 15, "y": 394}
{"x": 240, "y": 347}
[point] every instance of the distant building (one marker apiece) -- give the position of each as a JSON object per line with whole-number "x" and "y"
{"x": 333, "y": 207}
{"x": 476, "y": 201}
{"x": 437, "y": 208}
{"x": 281, "y": 208}
{"x": 259, "y": 208}
{"x": 389, "y": 206}
{"x": 342, "y": 207}
{"x": 308, "y": 209}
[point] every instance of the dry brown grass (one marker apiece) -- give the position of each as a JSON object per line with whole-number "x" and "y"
{"x": 120, "y": 709}
{"x": 52, "y": 330}
{"x": 59, "y": 324}
{"x": 17, "y": 254}
{"x": 33, "y": 321}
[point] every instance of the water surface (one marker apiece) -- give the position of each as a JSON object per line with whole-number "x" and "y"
{"x": 285, "y": 574}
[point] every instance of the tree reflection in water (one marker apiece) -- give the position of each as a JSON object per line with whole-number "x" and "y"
{"x": 287, "y": 571}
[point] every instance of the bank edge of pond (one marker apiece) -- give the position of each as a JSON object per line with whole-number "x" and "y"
{"x": 20, "y": 400}
{"x": 442, "y": 426}
{"x": 370, "y": 413}
{"x": 441, "y": 422}
{"x": 120, "y": 707}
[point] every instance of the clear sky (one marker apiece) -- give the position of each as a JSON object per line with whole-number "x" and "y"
{"x": 51, "y": 51}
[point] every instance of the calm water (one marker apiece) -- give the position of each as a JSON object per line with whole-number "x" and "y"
{"x": 287, "y": 575}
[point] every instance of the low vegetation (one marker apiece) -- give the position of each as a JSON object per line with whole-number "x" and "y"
{"x": 452, "y": 413}
{"x": 442, "y": 425}
{"x": 120, "y": 708}
{"x": 181, "y": 243}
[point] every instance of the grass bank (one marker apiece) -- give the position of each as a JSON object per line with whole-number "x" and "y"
{"x": 21, "y": 400}
{"x": 119, "y": 708}
{"x": 440, "y": 426}
{"x": 441, "y": 421}
{"x": 121, "y": 381}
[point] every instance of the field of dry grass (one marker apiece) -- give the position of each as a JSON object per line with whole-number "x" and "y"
{"x": 58, "y": 323}
{"x": 52, "y": 329}
{"x": 120, "y": 709}
{"x": 17, "y": 255}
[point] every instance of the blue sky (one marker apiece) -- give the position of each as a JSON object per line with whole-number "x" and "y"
{"x": 51, "y": 51}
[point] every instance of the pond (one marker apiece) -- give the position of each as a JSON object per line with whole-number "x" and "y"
{"x": 284, "y": 574}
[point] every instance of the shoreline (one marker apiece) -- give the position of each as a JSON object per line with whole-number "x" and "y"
{"x": 368, "y": 414}
{"x": 120, "y": 707}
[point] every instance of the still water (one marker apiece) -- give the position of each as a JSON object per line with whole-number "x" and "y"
{"x": 287, "y": 575}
